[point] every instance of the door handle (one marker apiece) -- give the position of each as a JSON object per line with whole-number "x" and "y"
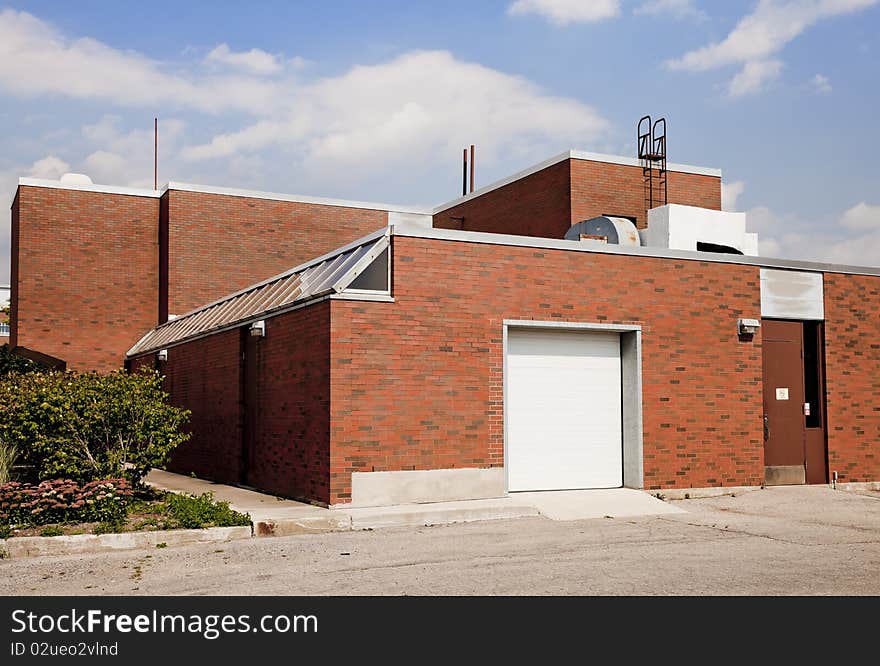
{"x": 766, "y": 428}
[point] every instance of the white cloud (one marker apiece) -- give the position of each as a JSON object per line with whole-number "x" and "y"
{"x": 408, "y": 117}
{"x": 49, "y": 167}
{"x": 564, "y": 12}
{"x": 730, "y": 193}
{"x": 762, "y": 34}
{"x": 853, "y": 237}
{"x": 414, "y": 108}
{"x": 255, "y": 61}
{"x": 821, "y": 84}
{"x": 862, "y": 217}
{"x": 35, "y": 59}
{"x": 754, "y": 77}
{"x": 125, "y": 157}
{"x": 766, "y": 31}
{"x": 678, "y": 9}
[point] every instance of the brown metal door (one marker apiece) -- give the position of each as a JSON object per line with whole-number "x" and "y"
{"x": 784, "y": 428}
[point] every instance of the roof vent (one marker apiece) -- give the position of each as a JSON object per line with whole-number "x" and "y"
{"x": 606, "y": 229}
{"x": 76, "y": 179}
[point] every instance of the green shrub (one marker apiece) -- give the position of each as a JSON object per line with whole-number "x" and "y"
{"x": 8, "y": 454}
{"x": 10, "y": 362}
{"x": 90, "y": 426}
{"x": 51, "y": 531}
{"x": 195, "y": 511}
{"x": 64, "y": 500}
{"x": 5, "y": 531}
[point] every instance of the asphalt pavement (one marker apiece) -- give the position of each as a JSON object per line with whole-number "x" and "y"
{"x": 806, "y": 540}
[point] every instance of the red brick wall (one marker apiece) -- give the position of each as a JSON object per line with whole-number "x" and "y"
{"x": 598, "y": 188}
{"x": 292, "y": 453}
{"x": 204, "y": 376}
{"x": 13, "y": 272}
{"x": 852, "y": 369}
{"x": 417, "y": 384}
{"x": 549, "y": 201}
{"x": 219, "y": 244}
{"x": 692, "y": 189}
{"x": 537, "y": 205}
{"x": 85, "y": 274}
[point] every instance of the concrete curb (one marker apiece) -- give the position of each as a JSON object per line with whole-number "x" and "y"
{"x": 416, "y": 515}
{"x": 701, "y": 493}
{"x": 80, "y": 544}
{"x": 408, "y": 515}
{"x": 858, "y": 486}
{"x": 307, "y": 525}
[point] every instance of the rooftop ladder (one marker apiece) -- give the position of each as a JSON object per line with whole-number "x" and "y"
{"x": 652, "y": 155}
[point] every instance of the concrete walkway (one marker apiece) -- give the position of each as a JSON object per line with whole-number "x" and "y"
{"x": 274, "y": 516}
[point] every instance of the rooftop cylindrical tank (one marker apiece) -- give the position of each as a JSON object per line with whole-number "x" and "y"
{"x": 607, "y": 229}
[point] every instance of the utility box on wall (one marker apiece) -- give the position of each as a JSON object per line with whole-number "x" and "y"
{"x": 679, "y": 227}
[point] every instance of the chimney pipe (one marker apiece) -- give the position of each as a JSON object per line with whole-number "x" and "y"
{"x": 464, "y": 172}
{"x": 472, "y": 167}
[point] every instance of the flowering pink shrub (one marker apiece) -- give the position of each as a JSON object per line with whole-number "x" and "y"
{"x": 63, "y": 500}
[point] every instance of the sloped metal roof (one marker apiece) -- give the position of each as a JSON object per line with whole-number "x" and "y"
{"x": 328, "y": 274}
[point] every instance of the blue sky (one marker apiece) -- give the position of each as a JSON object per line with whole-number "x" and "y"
{"x": 375, "y": 100}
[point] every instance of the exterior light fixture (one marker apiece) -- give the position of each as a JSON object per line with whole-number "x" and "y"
{"x": 162, "y": 355}
{"x": 258, "y": 329}
{"x": 747, "y": 326}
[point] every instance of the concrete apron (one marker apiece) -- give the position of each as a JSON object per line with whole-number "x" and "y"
{"x": 601, "y": 503}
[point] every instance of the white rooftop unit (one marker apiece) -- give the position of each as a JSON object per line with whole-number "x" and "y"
{"x": 679, "y": 227}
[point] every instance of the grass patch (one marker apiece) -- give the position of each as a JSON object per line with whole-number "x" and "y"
{"x": 109, "y": 527}
{"x": 197, "y": 511}
{"x": 152, "y": 511}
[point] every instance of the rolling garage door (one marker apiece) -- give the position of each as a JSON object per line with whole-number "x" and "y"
{"x": 563, "y": 408}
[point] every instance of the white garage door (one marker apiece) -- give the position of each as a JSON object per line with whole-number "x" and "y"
{"x": 563, "y": 407}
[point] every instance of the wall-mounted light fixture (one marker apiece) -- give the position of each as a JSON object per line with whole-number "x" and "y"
{"x": 747, "y": 326}
{"x": 258, "y": 329}
{"x": 162, "y": 355}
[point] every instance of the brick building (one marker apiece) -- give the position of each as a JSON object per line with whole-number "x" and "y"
{"x": 93, "y": 267}
{"x": 492, "y": 344}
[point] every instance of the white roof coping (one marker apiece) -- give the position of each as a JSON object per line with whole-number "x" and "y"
{"x": 227, "y": 191}
{"x": 572, "y": 155}
{"x": 83, "y": 187}
{"x": 297, "y": 198}
{"x": 414, "y": 231}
